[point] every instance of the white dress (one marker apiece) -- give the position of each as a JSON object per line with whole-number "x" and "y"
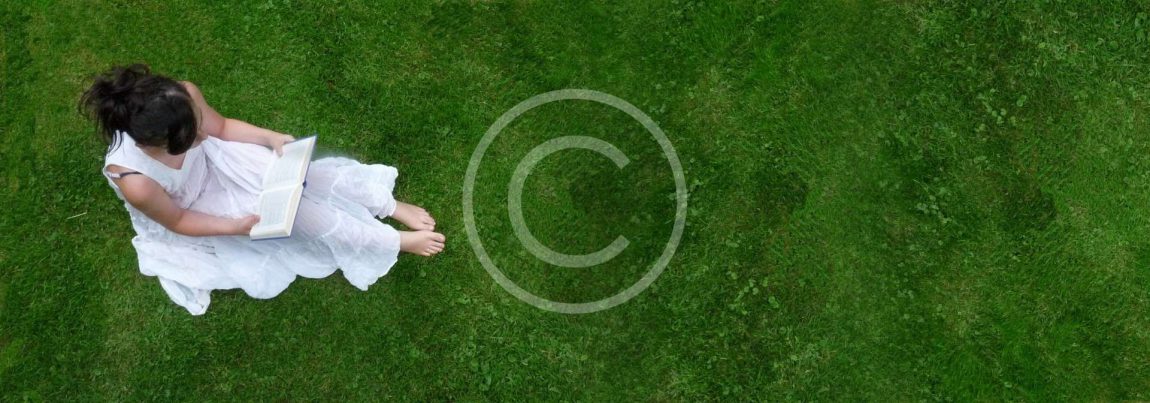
{"x": 336, "y": 225}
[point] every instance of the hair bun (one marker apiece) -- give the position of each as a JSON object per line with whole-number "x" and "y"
{"x": 110, "y": 99}
{"x": 114, "y": 96}
{"x": 119, "y": 83}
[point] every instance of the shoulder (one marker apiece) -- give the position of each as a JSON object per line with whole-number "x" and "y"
{"x": 139, "y": 190}
{"x": 192, "y": 89}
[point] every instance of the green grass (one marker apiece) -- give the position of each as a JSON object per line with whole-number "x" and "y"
{"x": 889, "y": 200}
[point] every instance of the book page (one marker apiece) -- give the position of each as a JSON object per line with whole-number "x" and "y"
{"x": 275, "y": 206}
{"x": 290, "y": 168}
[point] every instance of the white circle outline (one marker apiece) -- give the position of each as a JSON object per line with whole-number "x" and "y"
{"x": 469, "y": 207}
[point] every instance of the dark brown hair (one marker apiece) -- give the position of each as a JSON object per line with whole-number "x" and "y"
{"x": 155, "y": 110}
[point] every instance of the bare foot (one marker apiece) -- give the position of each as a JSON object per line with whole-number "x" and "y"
{"x": 423, "y": 243}
{"x": 413, "y": 216}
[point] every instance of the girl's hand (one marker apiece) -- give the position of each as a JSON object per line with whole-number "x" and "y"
{"x": 243, "y": 226}
{"x": 276, "y": 142}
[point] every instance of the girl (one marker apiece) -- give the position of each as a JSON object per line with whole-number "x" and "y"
{"x": 190, "y": 179}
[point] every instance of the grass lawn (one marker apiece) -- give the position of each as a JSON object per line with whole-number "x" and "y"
{"x": 888, "y": 201}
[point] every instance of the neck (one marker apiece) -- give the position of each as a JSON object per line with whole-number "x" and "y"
{"x": 155, "y": 151}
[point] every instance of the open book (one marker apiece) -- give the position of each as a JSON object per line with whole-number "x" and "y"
{"x": 283, "y": 187}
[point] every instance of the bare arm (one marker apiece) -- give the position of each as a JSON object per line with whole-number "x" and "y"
{"x": 230, "y": 129}
{"x": 150, "y": 198}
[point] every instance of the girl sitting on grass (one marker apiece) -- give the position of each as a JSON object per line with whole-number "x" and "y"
{"x": 191, "y": 179}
